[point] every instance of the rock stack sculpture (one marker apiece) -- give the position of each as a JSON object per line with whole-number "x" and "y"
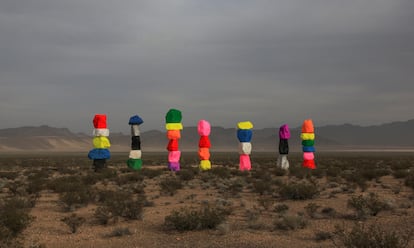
{"x": 244, "y": 134}
{"x": 204, "y": 129}
{"x": 308, "y": 141}
{"x": 174, "y": 126}
{"x": 284, "y": 135}
{"x": 135, "y": 162}
{"x": 100, "y": 153}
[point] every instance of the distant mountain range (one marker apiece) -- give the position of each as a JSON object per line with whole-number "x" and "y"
{"x": 395, "y": 135}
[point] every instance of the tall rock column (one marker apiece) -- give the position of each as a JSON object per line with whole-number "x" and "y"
{"x": 174, "y": 126}
{"x": 308, "y": 142}
{"x": 204, "y": 129}
{"x": 100, "y": 153}
{"x": 284, "y": 135}
{"x": 244, "y": 135}
{"x": 134, "y": 161}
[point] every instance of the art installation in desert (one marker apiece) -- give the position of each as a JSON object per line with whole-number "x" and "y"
{"x": 173, "y": 119}
{"x": 204, "y": 129}
{"x": 244, "y": 135}
{"x": 308, "y": 140}
{"x": 174, "y": 126}
{"x": 284, "y": 135}
{"x": 100, "y": 153}
{"x": 134, "y": 161}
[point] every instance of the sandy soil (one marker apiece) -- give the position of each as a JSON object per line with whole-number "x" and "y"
{"x": 237, "y": 231}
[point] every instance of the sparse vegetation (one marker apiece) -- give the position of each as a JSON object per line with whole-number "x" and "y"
{"x": 290, "y": 222}
{"x": 169, "y": 185}
{"x": 373, "y": 236}
{"x": 118, "y": 204}
{"x": 409, "y": 180}
{"x": 73, "y": 222}
{"x": 14, "y": 217}
{"x": 187, "y": 219}
{"x": 365, "y": 206}
{"x": 342, "y": 189}
{"x": 119, "y": 232}
{"x": 281, "y": 208}
{"x": 298, "y": 191}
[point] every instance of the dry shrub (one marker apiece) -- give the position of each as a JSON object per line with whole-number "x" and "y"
{"x": 187, "y": 219}
{"x": 290, "y": 222}
{"x": 118, "y": 204}
{"x": 119, "y": 232}
{"x": 373, "y": 236}
{"x": 298, "y": 191}
{"x": 73, "y": 222}
{"x": 409, "y": 180}
{"x": 170, "y": 186}
{"x": 14, "y": 217}
{"x": 365, "y": 206}
{"x": 281, "y": 208}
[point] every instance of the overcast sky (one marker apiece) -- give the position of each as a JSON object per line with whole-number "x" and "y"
{"x": 267, "y": 61}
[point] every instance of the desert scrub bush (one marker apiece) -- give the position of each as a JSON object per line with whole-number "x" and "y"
{"x": 14, "y": 216}
{"x": 187, "y": 219}
{"x": 298, "y": 172}
{"x": 333, "y": 171}
{"x": 319, "y": 173}
{"x": 221, "y": 172}
{"x": 265, "y": 202}
{"x": 75, "y": 199}
{"x": 103, "y": 174}
{"x": 280, "y": 172}
{"x": 119, "y": 232}
{"x": 409, "y": 180}
{"x": 355, "y": 178}
{"x": 186, "y": 174}
{"x": 328, "y": 212}
{"x": 261, "y": 174}
{"x": 10, "y": 175}
{"x": 37, "y": 181}
{"x": 73, "y": 192}
{"x": 401, "y": 173}
{"x": 312, "y": 209}
{"x": 170, "y": 185}
{"x": 322, "y": 236}
{"x": 151, "y": 173}
{"x": 262, "y": 186}
{"x": 236, "y": 186}
{"x": 239, "y": 173}
{"x": 281, "y": 208}
{"x": 73, "y": 222}
{"x": 290, "y": 222}
{"x": 207, "y": 176}
{"x": 118, "y": 204}
{"x": 298, "y": 191}
{"x": 129, "y": 178}
{"x": 373, "y": 173}
{"x": 65, "y": 184}
{"x": 372, "y": 236}
{"x": 365, "y": 206}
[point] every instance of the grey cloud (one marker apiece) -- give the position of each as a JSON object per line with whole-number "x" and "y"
{"x": 271, "y": 61}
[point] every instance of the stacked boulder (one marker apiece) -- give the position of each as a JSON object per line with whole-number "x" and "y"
{"x": 204, "y": 129}
{"x": 174, "y": 126}
{"x": 244, "y": 135}
{"x": 135, "y": 162}
{"x": 284, "y": 135}
{"x": 100, "y": 153}
{"x": 308, "y": 141}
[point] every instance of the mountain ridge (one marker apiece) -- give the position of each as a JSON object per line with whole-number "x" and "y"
{"x": 392, "y": 135}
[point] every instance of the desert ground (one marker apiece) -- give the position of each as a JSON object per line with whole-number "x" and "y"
{"x": 353, "y": 199}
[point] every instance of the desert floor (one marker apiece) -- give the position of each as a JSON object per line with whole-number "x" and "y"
{"x": 265, "y": 207}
